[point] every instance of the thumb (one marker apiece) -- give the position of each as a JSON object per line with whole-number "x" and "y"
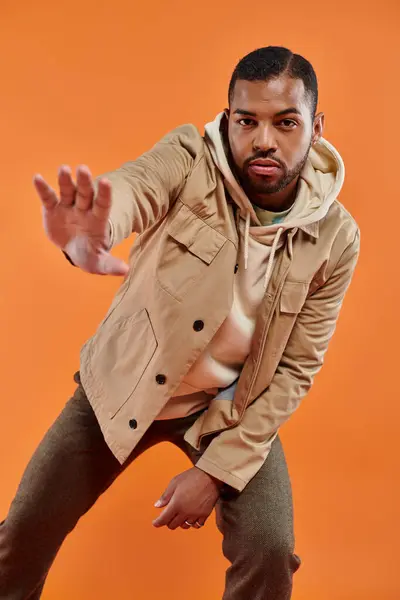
{"x": 166, "y": 497}
{"x": 111, "y": 265}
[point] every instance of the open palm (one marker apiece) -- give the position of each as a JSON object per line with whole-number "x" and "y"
{"x": 76, "y": 221}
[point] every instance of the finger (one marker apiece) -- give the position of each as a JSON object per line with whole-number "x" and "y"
{"x": 185, "y": 525}
{"x": 102, "y": 200}
{"x": 166, "y": 517}
{"x": 84, "y": 188}
{"x": 194, "y": 523}
{"x": 111, "y": 265}
{"x": 176, "y": 522}
{"x": 167, "y": 495}
{"x": 200, "y": 522}
{"x": 46, "y": 193}
{"x": 67, "y": 186}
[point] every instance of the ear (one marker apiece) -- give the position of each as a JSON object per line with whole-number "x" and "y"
{"x": 318, "y": 127}
{"x": 227, "y": 112}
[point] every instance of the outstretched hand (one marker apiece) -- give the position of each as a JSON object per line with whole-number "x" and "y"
{"x": 76, "y": 220}
{"x": 189, "y": 499}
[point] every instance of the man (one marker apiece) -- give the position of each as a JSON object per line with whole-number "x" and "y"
{"x": 234, "y": 285}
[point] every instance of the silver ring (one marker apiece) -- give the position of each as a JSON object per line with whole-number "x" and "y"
{"x": 196, "y": 525}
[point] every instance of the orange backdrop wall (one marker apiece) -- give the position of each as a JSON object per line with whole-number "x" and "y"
{"x": 98, "y": 83}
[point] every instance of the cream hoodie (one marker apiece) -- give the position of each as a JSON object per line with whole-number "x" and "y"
{"x": 260, "y": 236}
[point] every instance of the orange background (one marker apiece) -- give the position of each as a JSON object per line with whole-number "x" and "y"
{"x": 98, "y": 83}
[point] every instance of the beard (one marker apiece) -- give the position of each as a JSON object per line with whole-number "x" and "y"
{"x": 261, "y": 185}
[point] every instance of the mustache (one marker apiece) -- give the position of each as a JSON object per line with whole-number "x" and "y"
{"x": 264, "y": 155}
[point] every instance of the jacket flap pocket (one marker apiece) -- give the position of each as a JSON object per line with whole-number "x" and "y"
{"x": 293, "y": 297}
{"x": 193, "y": 233}
{"x": 120, "y": 353}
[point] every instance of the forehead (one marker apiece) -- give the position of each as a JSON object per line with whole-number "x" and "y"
{"x": 270, "y": 96}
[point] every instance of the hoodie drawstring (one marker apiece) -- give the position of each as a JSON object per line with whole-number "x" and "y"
{"x": 246, "y": 236}
{"x": 246, "y": 246}
{"x": 246, "y": 240}
{"x": 272, "y": 257}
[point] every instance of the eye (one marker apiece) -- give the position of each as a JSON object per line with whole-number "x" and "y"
{"x": 288, "y": 123}
{"x": 246, "y": 122}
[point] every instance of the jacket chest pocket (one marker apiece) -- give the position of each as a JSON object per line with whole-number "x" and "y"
{"x": 292, "y": 299}
{"x": 187, "y": 250}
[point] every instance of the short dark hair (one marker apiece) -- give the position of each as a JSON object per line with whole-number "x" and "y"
{"x": 271, "y": 62}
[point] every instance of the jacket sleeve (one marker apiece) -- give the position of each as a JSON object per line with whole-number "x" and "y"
{"x": 144, "y": 189}
{"x": 236, "y": 454}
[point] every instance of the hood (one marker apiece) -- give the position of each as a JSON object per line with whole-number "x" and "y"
{"x": 319, "y": 185}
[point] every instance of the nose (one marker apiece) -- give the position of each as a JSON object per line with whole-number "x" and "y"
{"x": 265, "y": 139}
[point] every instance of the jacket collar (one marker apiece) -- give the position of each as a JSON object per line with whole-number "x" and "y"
{"x": 311, "y": 229}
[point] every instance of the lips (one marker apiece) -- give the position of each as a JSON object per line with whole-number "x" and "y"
{"x": 265, "y": 168}
{"x": 265, "y": 162}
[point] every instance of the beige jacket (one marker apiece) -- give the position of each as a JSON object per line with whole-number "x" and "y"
{"x": 182, "y": 272}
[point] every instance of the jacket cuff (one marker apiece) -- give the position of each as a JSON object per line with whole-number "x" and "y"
{"x": 111, "y": 230}
{"x": 215, "y": 471}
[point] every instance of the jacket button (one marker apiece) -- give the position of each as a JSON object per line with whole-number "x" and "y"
{"x": 236, "y": 269}
{"x": 161, "y": 379}
{"x": 198, "y": 325}
{"x": 133, "y": 424}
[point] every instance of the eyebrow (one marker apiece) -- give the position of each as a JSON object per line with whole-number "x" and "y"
{"x": 287, "y": 111}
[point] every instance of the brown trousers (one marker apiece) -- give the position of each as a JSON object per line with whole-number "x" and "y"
{"x": 73, "y": 466}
